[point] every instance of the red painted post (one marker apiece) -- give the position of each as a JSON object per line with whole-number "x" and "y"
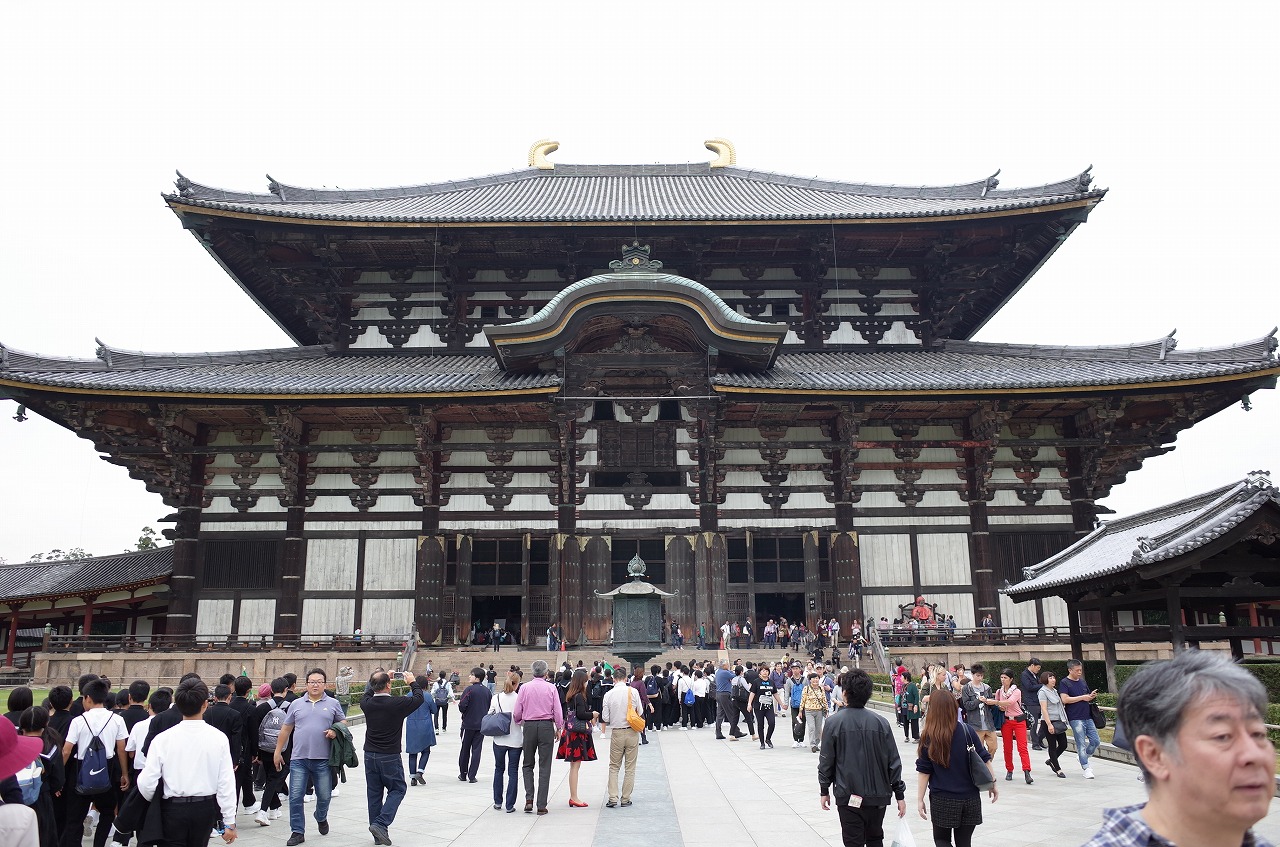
{"x": 13, "y": 638}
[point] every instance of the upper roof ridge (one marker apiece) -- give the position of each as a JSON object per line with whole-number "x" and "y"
{"x": 282, "y": 193}
{"x": 116, "y": 358}
{"x": 1261, "y": 349}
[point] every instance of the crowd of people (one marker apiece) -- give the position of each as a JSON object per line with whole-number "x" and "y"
{"x": 176, "y": 766}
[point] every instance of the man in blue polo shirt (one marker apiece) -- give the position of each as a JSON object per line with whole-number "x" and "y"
{"x": 1077, "y": 697}
{"x": 309, "y": 723}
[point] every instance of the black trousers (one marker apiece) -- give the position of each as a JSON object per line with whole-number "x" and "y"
{"x": 188, "y": 824}
{"x": 469, "y": 755}
{"x": 78, "y": 806}
{"x": 727, "y": 711}
{"x": 862, "y": 827}
{"x": 1057, "y": 743}
{"x": 764, "y": 717}
{"x": 442, "y": 716}
{"x": 244, "y": 781}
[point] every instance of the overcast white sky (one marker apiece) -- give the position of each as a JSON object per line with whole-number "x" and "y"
{"x": 1174, "y": 104}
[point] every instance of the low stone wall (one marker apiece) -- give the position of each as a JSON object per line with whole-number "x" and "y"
{"x": 167, "y": 668}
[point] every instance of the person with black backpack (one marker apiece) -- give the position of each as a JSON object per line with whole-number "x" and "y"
{"x": 95, "y": 740}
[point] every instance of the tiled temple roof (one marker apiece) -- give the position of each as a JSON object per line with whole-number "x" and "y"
{"x": 605, "y": 193}
{"x": 1147, "y": 537}
{"x": 957, "y": 366}
{"x": 35, "y": 580}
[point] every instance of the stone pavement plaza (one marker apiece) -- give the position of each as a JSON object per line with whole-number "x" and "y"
{"x": 694, "y": 790}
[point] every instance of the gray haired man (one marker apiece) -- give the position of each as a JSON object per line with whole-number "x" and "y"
{"x": 1196, "y": 726}
{"x": 538, "y": 710}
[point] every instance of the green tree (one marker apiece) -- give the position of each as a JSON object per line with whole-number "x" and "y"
{"x": 147, "y": 540}
{"x": 75, "y": 554}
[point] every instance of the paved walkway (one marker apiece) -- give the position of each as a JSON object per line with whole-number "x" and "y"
{"x": 700, "y": 791}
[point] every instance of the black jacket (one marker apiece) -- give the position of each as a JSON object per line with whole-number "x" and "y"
{"x": 167, "y": 719}
{"x": 474, "y": 705}
{"x": 1030, "y": 687}
{"x": 860, "y": 756}
{"x": 227, "y": 720}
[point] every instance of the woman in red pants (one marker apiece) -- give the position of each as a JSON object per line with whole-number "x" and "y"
{"x": 1009, "y": 699}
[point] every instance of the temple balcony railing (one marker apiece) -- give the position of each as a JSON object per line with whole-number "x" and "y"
{"x": 365, "y": 642}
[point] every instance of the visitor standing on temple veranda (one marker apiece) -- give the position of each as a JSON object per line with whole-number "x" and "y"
{"x": 194, "y": 763}
{"x": 860, "y": 765}
{"x": 1195, "y": 724}
{"x": 309, "y": 724}
{"x": 384, "y": 715}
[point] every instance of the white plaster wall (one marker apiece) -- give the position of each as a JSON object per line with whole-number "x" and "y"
{"x": 913, "y": 520}
{"x": 883, "y": 605}
{"x": 807, "y": 500}
{"x": 944, "y": 559}
{"x": 1017, "y": 614}
{"x": 886, "y": 560}
{"x": 389, "y": 563}
{"x": 1055, "y": 611}
{"x": 328, "y": 616}
{"x": 521, "y": 525}
{"x": 331, "y": 564}
{"x": 959, "y": 605}
{"x": 257, "y": 617}
{"x": 386, "y": 616}
{"x": 244, "y": 526}
{"x": 213, "y": 617}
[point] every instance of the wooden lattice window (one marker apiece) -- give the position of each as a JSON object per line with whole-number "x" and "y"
{"x": 240, "y": 564}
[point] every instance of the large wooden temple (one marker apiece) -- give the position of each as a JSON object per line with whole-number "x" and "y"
{"x": 506, "y": 387}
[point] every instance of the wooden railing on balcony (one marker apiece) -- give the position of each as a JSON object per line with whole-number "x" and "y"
{"x": 371, "y": 642}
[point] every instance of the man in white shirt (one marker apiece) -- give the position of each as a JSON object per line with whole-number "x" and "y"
{"x": 624, "y": 741}
{"x": 199, "y": 779}
{"x": 109, "y": 727}
{"x": 158, "y": 702}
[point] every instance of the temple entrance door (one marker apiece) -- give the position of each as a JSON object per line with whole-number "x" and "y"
{"x": 504, "y": 609}
{"x": 780, "y": 605}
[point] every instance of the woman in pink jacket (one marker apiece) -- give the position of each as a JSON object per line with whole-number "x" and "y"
{"x": 1009, "y": 699}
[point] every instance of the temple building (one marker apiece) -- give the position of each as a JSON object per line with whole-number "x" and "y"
{"x": 504, "y": 388}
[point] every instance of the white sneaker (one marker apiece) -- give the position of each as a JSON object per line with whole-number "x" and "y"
{"x": 252, "y": 810}
{"x": 262, "y": 818}
{"x": 1088, "y": 773}
{"x": 307, "y": 798}
{"x": 684, "y": 729}
{"x": 334, "y": 792}
{"x": 277, "y": 814}
{"x": 93, "y": 818}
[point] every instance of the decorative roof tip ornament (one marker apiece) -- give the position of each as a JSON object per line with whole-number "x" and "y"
{"x": 635, "y": 257}
{"x": 538, "y": 154}
{"x": 1168, "y": 343}
{"x": 725, "y": 154}
{"x": 1271, "y": 343}
{"x": 991, "y": 182}
{"x": 1259, "y": 479}
{"x": 1083, "y": 180}
{"x": 182, "y": 184}
{"x": 274, "y": 186}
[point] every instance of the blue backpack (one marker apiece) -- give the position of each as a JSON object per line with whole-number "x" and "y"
{"x": 30, "y": 781}
{"x": 94, "y": 777}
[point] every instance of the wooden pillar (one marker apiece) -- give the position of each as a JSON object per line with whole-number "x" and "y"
{"x": 682, "y": 608}
{"x": 1073, "y": 626}
{"x": 1083, "y": 513}
{"x": 1109, "y": 649}
{"x": 87, "y": 625}
{"x": 1232, "y": 619}
{"x": 1253, "y": 622}
{"x": 293, "y": 568}
{"x": 812, "y": 578}
{"x": 846, "y": 575}
{"x": 1177, "y": 630}
{"x": 428, "y": 586}
{"x": 180, "y": 617}
{"x": 567, "y": 552}
{"x": 524, "y": 597}
{"x": 981, "y": 564}
{"x": 711, "y": 581}
{"x": 13, "y": 634}
{"x": 595, "y": 566}
{"x": 462, "y": 590}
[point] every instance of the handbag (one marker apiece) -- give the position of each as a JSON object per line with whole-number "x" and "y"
{"x": 1059, "y": 727}
{"x": 496, "y": 723}
{"x": 1099, "y": 716}
{"x": 978, "y": 770}
{"x": 797, "y": 726}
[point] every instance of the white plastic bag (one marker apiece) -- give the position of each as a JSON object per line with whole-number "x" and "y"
{"x": 903, "y": 837}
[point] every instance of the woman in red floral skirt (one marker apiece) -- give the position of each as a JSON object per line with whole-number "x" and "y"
{"x": 576, "y": 744}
